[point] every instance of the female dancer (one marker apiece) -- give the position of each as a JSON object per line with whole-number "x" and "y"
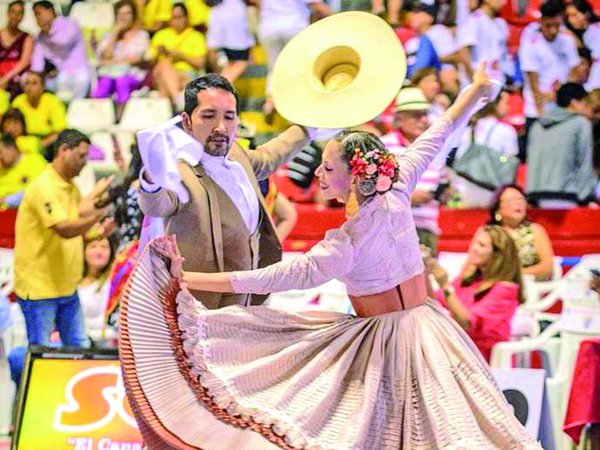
{"x": 398, "y": 375}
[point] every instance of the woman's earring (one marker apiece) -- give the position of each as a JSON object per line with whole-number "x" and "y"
{"x": 498, "y": 217}
{"x": 351, "y": 205}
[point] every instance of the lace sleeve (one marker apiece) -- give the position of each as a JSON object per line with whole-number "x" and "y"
{"x": 415, "y": 160}
{"x": 330, "y": 258}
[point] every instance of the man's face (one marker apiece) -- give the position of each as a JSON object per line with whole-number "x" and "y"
{"x": 76, "y": 158}
{"x": 8, "y": 155}
{"x": 550, "y": 26}
{"x": 15, "y": 15}
{"x": 412, "y": 124}
{"x": 214, "y": 121}
{"x": 33, "y": 86}
{"x": 44, "y": 18}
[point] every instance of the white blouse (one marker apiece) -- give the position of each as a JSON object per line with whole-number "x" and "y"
{"x": 374, "y": 251}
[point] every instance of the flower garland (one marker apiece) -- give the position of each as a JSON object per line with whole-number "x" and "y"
{"x": 376, "y": 170}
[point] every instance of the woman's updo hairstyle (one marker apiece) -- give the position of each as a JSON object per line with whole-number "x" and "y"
{"x": 375, "y": 168}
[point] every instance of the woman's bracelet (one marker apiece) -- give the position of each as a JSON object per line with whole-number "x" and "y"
{"x": 449, "y": 291}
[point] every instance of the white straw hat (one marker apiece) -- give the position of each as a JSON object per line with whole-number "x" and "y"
{"x": 339, "y": 72}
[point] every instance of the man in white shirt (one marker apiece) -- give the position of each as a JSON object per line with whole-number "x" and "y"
{"x": 224, "y": 226}
{"x": 547, "y": 57}
{"x": 483, "y": 37}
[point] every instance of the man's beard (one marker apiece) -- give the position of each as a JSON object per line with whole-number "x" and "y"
{"x": 217, "y": 145}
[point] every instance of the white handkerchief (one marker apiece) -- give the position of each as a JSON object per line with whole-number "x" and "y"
{"x": 461, "y": 125}
{"x": 160, "y": 148}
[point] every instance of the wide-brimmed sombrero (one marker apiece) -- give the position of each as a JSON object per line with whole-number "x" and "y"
{"x": 339, "y": 72}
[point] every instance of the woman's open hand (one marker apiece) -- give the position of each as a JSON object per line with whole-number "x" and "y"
{"x": 167, "y": 247}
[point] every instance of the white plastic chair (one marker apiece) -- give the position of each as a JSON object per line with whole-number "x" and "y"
{"x": 142, "y": 113}
{"x": 91, "y": 114}
{"x": 93, "y": 15}
{"x": 576, "y": 323}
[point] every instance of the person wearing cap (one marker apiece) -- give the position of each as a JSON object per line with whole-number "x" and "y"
{"x": 411, "y": 121}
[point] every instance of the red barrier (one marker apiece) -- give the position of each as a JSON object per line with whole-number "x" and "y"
{"x": 573, "y": 232}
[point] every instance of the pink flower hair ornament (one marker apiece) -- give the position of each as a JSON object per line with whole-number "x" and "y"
{"x": 376, "y": 171}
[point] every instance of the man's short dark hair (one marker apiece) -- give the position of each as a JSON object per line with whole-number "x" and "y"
{"x": 44, "y": 4}
{"x": 182, "y": 7}
{"x": 20, "y": 3}
{"x": 569, "y": 92}
{"x": 209, "y": 81}
{"x": 551, "y": 9}
{"x": 71, "y": 137}
{"x": 8, "y": 141}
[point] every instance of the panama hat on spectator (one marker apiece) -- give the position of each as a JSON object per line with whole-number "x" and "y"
{"x": 341, "y": 71}
{"x": 411, "y": 99}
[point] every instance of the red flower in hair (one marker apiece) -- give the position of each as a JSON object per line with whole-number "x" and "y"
{"x": 358, "y": 165}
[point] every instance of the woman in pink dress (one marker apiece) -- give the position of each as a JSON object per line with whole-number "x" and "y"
{"x": 400, "y": 374}
{"x": 485, "y": 297}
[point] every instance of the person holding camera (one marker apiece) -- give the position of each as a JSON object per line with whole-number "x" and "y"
{"x": 410, "y": 122}
{"x": 51, "y": 222}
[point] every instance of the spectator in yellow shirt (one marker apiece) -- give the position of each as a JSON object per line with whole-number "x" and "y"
{"x": 154, "y": 14}
{"x": 4, "y": 101}
{"x": 51, "y": 222}
{"x": 179, "y": 53}
{"x": 13, "y": 124}
{"x": 45, "y": 115}
{"x": 17, "y": 170}
{"x": 198, "y": 14}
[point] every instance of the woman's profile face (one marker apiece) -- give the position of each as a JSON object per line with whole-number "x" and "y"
{"x": 513, "y": 206}
{"x": 334, "y": 175}
{"x": 480, "y": 249}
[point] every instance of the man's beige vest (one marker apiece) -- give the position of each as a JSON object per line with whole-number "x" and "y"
{"x": 213, "y": 237}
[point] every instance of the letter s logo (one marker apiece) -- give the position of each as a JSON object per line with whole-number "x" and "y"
{"x": 94, "y": 397}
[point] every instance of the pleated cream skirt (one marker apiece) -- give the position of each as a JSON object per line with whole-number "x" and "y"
{"x": 259, "y": 378}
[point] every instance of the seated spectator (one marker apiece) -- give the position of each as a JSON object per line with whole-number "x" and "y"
{"x": 120, "y": 54}
{"x": 560, "y": 173}
{"x": 17, "y": 170}
{"x": 487, "y": 129}
{"x": 229, "y": 34}
{"x": 13, "y": 124}
{"x": 533, "y": 244}
{"x": 548, "y": 59}
{"x": 94, "y": 287}
{"x": 484, "y": 298}
{"x": 483, "y": 37}
{"x": 16, "y": 48}
{"x": 154, "y": 14}
{"x": 45, "y": 114}
{"x": 179, "y": 54}
{"x": 60, "y": 52}
{"x": 586, "y": 26}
